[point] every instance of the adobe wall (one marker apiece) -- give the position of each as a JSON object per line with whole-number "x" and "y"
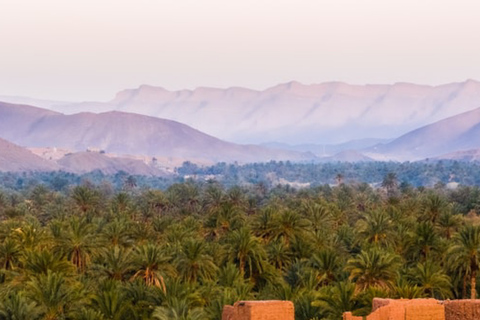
{"x": 259, "y": 310}
{"x": 227, "y": 313}
{"x": 462, "y": 309}
{"x": 349, "y": 316}
{"x": 389, "y": 309}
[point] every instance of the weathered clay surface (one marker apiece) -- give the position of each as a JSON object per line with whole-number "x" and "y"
{"x": 259, "y": 310}
{"x": 462, "y": 309}
{"x": 227, "y": 313}
{"x": 389, "y": 309}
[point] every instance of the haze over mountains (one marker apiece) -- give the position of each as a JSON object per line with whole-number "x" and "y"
{"x": 445, "y": 121}
{"x": 293, "y": 113}
{"x": 457, "y": 133}
{"x": 126, "y": 133}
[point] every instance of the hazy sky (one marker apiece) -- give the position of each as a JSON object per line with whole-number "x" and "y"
{"x": 90, "y": 49}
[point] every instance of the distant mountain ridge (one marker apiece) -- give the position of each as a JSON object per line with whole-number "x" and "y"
{"x": 295, "y": 113}
{"x": 126, "y": 133}
{"x": 453, "y": 134}
{"x": 15, "y": 158}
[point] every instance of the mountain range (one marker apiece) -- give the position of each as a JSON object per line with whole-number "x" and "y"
{"x": 127, "y": 134}
{"x": 292, "y": 113}
{"x": 147, "y": 144}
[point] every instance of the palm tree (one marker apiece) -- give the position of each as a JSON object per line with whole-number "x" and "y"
{"x": 78, "y": 243}
{"x": 278, "y": 254}
{"x": 290, "y": 225}
{"x": 263, "y": 223}
{"x": 327, "y": 263}
{"x": 53, "y": 295}
{"x": 112, "y": 302}
{"x": 45, "y": 261}
{"x": 194, "y": 262}
{"x": 465, "y": 254}
{"x": 178, "y": 309}
{"x": 375, "y": 228}
{"x": 18, "y": 307}
{"x": 246, "y": 250}
{"x": 449, "y": 223}
{"x": 117, "y": 233}
{"x": 426, "y": 238}
{"x": 116, "y": 263}
{"x": 152, "y": 264}
{"x": 337, "y": 299}
{"x": 121, "y": 203}
{"x": 403, "y": 289}
{"x": 318, "y": 214}
{"x": 430, "y": 277}
{"x": 9, "y": 254}
{"x": 85, "y": 198}
{"x": 213, "y": 199}
{"x": 433, "y": 206}
{"x": 390, "y": 182}
{"x": 373, "y": 268}
{"x": 223, "y": 220}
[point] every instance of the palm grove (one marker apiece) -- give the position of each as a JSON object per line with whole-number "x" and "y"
{"x": 93, "y": 252}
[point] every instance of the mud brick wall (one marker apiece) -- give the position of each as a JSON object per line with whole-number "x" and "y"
{"x": 349, "y": 316}
{"x": 260, "y": 310}
{"x": 425, "y": 312}
{"x": 462, "y": 309}
{"x": 389, "y": 309}
{"x": 227, "y": 313}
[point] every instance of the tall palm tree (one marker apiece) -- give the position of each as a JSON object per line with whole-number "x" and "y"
{"x": 9, "y": 254}
{"x": 116, "y": 263}
{"x": 54, "y": 296}
{"x": 290, "y": 225}
{"x": 430, "y": 277}
{"x": 375, "y": 227}
{"x": 112, "y": 302}
{"x": 449, "y": 223}
{"x": 426, "y": 238}
{"x": 433, "y": 206}
{"x": 390, "y": 183}
{"x": 465, "y": 254}
{"x": 45, "y": 261}
{"x": 327, "y": 263}
{"x": 373, "y": 268}
{"x": 225, "y": 219}
{"x": 78, "y": 242}
{"x": 153, "y": 265}
{"x": 263, "y": 223}
{"x": 194, "y": 262}
{"x": 278, "y": 254}
{"x": 246, "y": 250}
{"x": 85, "y": 198}
{"x": 117, "y": 233}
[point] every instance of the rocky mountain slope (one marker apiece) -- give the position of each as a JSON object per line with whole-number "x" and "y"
{"x": 460, "y": 132}
{"x": 15, "y": 158}
{"x": 125, "y": 133}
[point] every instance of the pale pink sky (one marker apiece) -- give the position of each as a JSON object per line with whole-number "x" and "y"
{"x": 90, "y": 49}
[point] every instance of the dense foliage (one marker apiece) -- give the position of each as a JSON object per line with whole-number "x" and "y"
{"x": 77, "y": 249}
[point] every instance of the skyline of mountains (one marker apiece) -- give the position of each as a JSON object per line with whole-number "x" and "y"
{"x": 292, "y": 113}
{"x": 130, "y": 141}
